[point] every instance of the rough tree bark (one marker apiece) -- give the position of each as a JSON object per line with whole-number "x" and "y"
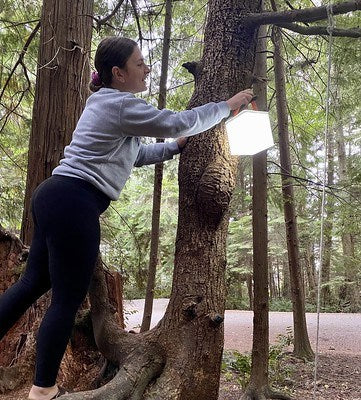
{"x": 302, "y": 346}
{"x": 12, "y": 256}
{"x": 60, "y": 93}
{"x": 61, "y": 90}
{"x": 158, "y": 177}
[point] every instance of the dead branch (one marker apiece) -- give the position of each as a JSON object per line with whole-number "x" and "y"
{"x": 21, "y": 57}
{"x": 13, "y": 24}
{"x": 321, "y": 30}
{"x": 311, "y": 14}
{"x": 103, "y": 21}
{"x": 136, "y": 16}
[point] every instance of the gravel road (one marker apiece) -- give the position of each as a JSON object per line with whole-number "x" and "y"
{"x": 339, "y": 333}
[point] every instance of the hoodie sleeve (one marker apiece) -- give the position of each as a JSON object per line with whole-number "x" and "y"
{"x": 156, "y": 153}
{"x": 138, "y": 118}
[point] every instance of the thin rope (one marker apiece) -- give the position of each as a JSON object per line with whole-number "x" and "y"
{"x": 330, "y": 28}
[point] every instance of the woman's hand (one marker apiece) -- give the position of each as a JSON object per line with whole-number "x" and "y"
{"x": 182, "y": 141}
{"x": 241, "y": 99}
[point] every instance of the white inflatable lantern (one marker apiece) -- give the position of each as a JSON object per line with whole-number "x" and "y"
{"x": 249, "y": 132}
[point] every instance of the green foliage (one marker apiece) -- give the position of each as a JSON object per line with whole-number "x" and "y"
{"x": 234, "y": 362}
{"x": 280, "y": 304}
{"x": 237, "y": 366}
{"x": 126, "y": 229}
{"x": 126, "y": 226}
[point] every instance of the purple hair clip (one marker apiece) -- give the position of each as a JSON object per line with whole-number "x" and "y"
{"x": 96, "y": 79}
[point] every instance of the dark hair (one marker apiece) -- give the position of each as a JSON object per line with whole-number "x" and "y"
{"x": 112, "y": 51}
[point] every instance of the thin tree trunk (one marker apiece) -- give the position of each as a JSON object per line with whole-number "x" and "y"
{"x": 158, "y": 177}
{"x": 328, "y": 224}
{"x": 119, "y": 285}
{"x": 258, "y": 387}
{"x": 302, "y": 346}
{"x": 286, "y": 287}
{"x": 249, "y": 280}
{"x": 310, "y": 268}
{"x": 348, "y": 292}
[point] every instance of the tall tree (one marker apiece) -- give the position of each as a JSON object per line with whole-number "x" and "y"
{"x": 258, "y": 387}
{"x": 302, "y": 346}
{"x": 348, "y": 291}
{"x": 328, "y": 224}
{"x": 61, "y": 90}
{"x": 158, "y": 176}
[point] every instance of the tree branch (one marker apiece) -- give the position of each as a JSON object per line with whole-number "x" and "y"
{"x": 320, "y": 30}
{"x": 21, "y": 57}
{"x": 306, "y": 15}
{"x": 136, "y": 16}
{"x": 103, "y": 21}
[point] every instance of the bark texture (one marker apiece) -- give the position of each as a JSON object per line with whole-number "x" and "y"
{"x": 61, "y": 90}
{"x": 13, "y": 346}
{"x": 194, "y": 318}
{"x": 60, "y": 93}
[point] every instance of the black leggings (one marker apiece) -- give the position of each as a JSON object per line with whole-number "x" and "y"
{"x": 62, "y": 257}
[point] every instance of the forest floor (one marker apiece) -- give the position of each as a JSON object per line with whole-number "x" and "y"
{"x": 339, "y": 363}
{"x": 338, "y": 379}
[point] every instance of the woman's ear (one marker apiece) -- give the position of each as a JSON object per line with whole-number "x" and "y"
{"x": 118, "y": 74}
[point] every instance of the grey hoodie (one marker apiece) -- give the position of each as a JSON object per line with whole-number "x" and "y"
{"x": 106, "y": 142}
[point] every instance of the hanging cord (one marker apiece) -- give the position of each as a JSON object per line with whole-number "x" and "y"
{"x": 330, "y": 28}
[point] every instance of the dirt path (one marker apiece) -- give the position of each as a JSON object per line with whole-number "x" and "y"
{"x": 339, "y": 333}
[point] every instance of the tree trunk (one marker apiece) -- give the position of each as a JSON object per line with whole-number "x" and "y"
{"x": 328, "y": 224}
{"x": 61, "y": 90}
{"x": 184, "y": 351}
{"x": 349, "y": 298}
{"x": 286, "y": 287}
{"x": 158, "y": 177}
{"x": 258, "y": 387}
{"x": 60, "y": 94}
{"x": 310, "y": 268}
{"x": 194, "y": 317}
{"x": 13, "y": 346}
{"x": 249, "y": 280}
{"x": 302, "y": 346}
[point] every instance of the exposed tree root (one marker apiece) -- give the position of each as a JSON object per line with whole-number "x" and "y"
{"x": 130, "y": 382}
{"x": 139, "y": 358}
{"x": 263, "y": 394}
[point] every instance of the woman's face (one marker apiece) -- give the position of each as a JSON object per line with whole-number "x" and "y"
{"x": 132, "y": 78}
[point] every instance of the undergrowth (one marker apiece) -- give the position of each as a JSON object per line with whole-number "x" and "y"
{"x": 237, "y": 366}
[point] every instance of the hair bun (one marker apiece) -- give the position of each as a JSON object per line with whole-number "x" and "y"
{"x": 96, "y": 81}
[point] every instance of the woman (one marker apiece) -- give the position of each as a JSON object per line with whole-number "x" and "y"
{"x": 66, "y": 207}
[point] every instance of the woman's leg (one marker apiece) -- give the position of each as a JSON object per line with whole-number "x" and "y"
{"x": 71, "y": 223}
{"x": 72, "y": 263}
